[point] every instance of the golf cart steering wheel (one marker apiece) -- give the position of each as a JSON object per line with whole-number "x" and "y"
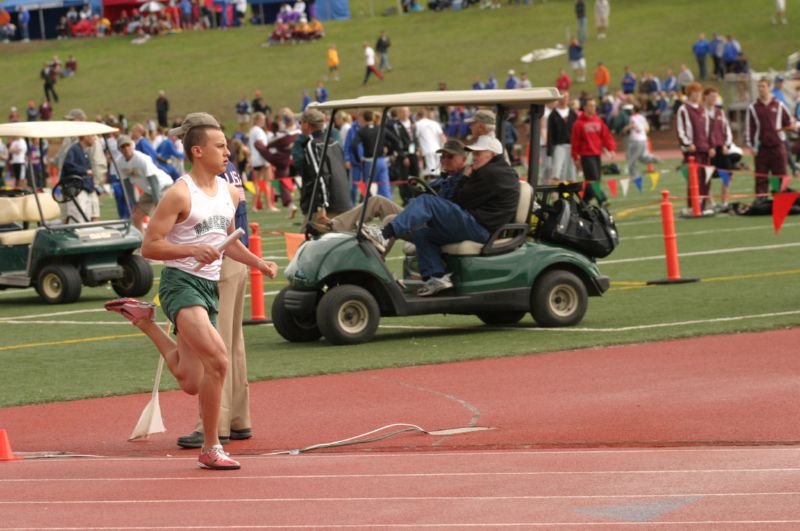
{"x": 421, "y": 183}
{"x": 67, "y": 188}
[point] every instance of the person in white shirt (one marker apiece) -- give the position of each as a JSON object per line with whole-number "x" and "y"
{"x": 636, "y": 140}
{"x": 369, "y": 58}
{"x": 430, "y": 139}
{"x": 137, "y": 167}
{"x": 18, "y": 149}
{"x": 260, "y": 167}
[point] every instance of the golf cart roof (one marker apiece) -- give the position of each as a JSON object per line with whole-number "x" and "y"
{"x": 53, "y": 129}
{"x": 509, "y": 98}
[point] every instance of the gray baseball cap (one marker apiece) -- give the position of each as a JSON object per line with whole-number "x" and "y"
{"x": 195, "y": 119}
{"x": 76, "y": 114}
{"x": 313, "y": 117}
{"x": 482, "y": 117}
{"x": 123, "y": 140}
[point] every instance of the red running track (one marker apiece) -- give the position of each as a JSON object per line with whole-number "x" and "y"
{"x": 679, "y": 488}
{"x": 637, "y": 400}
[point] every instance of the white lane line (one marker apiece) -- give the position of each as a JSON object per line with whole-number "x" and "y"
{"x": 53, "y": 314}
{"x": 17, "y": 320}
{"x": 361, "y": 499}
{"x": 584, "y": 452}
{"x": 702, "y": 253}
{"x": 316, "y": 477}
{"x": 616, "y": 329}
{"x": 703, "y": 232}
{"x": 455, "y": 525}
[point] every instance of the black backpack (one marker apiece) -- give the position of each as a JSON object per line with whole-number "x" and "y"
{"x": 571, "y": 222}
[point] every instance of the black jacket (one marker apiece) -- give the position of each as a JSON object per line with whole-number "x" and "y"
{"x": 490, "y": 194}
{"x": 559, "y": 131}
{"x": 333, "y": 191}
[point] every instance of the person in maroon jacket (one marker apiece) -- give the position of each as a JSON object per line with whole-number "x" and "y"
{"x": 720, "y": 136}
{"x": 692, "y": 124}
{"x": 767, "y": 119}
{"x": 590, "y": 138}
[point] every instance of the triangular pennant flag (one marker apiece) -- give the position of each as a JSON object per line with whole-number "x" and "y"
{"x": 293, "y": 243}
{"x": 638, "y": 182}
{"x": 598, "y": 192}
{"x": 725, "y": 176}
{"x": 583, "y": 190}
{"x": 709, "y": 172}
{"x": 775, "y": 184}
{"x": 625, "y": 183}
{"x": 781, "y": 205}
{"x": 250, "y": 187}
{"x": 785, "y": 182}
{"x": 654, "y": 176}
{"x": 685, "y": 172}
{"x": 362, "y": 188}
{"x": 612, "y": 187}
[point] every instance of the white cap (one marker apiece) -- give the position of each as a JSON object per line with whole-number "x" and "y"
{"x": 486, "y": 143}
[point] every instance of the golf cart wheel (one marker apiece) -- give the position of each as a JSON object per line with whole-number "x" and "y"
{"x": 59, "y": 284}
{"x": 501, "y": 318}
{"x": 558, "y": 298}
{"x": 291, "y": 327}
{"x": 348, "y": 315}
{"x": 137, "y": 277}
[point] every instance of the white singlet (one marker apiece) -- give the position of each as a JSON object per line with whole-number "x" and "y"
{"x": 208, "y": 222}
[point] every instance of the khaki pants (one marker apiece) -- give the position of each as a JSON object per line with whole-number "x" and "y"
{"x": 377, "y": 207}
{"x": 235, "y": 405}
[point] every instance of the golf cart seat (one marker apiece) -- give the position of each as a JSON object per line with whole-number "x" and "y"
{"x": 513, "y": 234}
{"x": 23, "y": 208}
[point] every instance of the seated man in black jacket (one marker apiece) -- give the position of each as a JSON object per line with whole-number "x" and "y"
{"x": 484, "y": 201}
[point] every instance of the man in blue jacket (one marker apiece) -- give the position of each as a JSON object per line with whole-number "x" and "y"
{"x": 77, "y": 163}
{"x": 700, "y": 50}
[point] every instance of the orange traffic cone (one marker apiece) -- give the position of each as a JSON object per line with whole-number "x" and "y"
{"x": 5, "y": 448}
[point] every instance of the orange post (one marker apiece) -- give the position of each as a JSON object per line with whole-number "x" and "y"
{"x": 670, "y": 244}
{"x": 257, "y": 312}
{"x": 694, "y": 188}
{"x": 650, "y": 167}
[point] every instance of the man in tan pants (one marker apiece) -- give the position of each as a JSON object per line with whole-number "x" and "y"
{"x": 234, "y": 413}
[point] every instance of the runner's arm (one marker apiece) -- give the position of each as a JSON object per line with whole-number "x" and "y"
{"x": 237, "y": 250}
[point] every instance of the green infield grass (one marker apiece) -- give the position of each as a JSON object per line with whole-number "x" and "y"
{"x": 748, "y": 281}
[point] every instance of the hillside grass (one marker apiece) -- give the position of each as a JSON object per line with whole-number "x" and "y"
{"x": 210, "y": 70}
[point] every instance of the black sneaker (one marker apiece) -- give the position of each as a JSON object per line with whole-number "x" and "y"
{"x": 240, "y": 435}
{"x": 195, "y": 440}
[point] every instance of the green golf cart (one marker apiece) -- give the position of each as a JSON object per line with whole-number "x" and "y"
{"x": 340, "y": 285}
{"x": 58, "y": 259}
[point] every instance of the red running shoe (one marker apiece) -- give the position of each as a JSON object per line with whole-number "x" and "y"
{"x": 132, "y": 309}
{"x": 217, "y": 459}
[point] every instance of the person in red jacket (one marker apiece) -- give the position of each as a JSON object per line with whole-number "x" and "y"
{"x": 590, "y": 138}
{"x": 692, "y": 124}
{"x": 767, "y": 119}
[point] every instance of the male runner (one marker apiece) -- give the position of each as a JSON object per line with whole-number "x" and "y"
{"x": 194, "y": 216}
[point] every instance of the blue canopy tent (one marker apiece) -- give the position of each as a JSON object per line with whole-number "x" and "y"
{"x": 49, "y": 13}
{"x": 265, "y": 11}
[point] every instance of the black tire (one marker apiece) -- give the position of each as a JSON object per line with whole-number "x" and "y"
{"x": 59, "y": 284}
{"x": 501, "y": 318}
{"x": 348, "y": 315}
{"x": 558, "y": 298}
{"x": 137, "y": 277}
{"x": 290, "y": 327}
